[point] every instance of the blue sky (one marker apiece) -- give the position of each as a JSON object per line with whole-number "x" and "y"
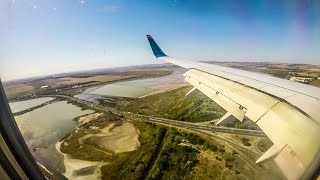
{"x": 45, "y": 36}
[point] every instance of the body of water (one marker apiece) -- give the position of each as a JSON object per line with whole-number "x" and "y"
{"x": 139, "y": 88}
{"x": 43, "y": 127}
{"x": 122, "y": 90}
{"x": 24, "y": 105}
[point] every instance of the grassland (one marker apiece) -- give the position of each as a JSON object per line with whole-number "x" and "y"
{"x": 167, "y": 153}
{"x": 133, "y": 165}
{"x": 264, "y": 144}
{"x": 245, "y": 124}
{"x": 315, "y": 83}
{"x": 72, "y": 146}
{"x": 164, "y": 153}
{"x": 173, "y": 105}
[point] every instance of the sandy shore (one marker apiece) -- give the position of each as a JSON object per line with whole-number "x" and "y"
{"x": 88, "y": 118}
{"x": 75, "y": 166}
{"x": 165, "y": 89}
{"x": 117, "y": 139}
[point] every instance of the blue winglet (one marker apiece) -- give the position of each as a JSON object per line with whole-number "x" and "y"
{"x": 155, "y": 48}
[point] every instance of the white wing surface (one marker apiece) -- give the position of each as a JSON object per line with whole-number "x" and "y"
{"x": 288, "y": 112}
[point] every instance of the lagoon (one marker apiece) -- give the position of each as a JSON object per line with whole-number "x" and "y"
{"x": 43, "y": 127}
{"x": 24, "y": 105}
{"x": 141, "y": 87}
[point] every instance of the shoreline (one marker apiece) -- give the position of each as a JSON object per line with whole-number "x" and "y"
{"x": 18, "y": 113}
{"x": 75, "y": 166}
{"x": 72, "y": 164}
{"x": 169, "y": 88}
{"x": 86, "y": 169}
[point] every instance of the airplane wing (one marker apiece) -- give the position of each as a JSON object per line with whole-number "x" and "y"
{"x": 287, "y": 112}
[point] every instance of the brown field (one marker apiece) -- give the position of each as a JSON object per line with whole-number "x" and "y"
{"x": 19, "y": 89}
{"x": 99, "y": 78}
{"x": 316, "y": 83}
{"x": 276, "y": 69}
{"x": 282, "y": 70}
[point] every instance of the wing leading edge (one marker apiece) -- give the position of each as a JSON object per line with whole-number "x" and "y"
{"x": 288, "y": 112}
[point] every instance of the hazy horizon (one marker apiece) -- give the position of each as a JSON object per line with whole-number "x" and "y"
{"x": 43, "y": 38}
{"x": 139, "y": 66}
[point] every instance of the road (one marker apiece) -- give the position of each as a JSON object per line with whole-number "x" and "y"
{"x": 188, "y": 125}
{"x": 207, "y": 130}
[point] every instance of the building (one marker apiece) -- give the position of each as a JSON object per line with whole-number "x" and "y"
{"x": 301, "y": 79}
{"x": 42, "y": 87}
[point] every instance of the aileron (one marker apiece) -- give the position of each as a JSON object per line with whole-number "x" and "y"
{"x": 287, "y": 112}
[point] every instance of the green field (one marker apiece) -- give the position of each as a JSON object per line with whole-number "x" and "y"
{"x": 167, "y": 153}
{"x": 173, "y": 105}
{"x": 164, "y": 153}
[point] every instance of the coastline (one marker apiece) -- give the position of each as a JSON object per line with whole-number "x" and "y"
{"x": 74, "y": 167}
{"x": 71, "y": 165}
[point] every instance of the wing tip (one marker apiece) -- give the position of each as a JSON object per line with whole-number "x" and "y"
{"x": 155, "y": 47}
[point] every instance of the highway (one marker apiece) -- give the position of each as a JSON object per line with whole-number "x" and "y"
{"x": 188, "y": 125}
{"x": 208, "y": 130}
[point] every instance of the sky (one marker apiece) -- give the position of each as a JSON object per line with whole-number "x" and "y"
{"x": 39, "y": 37}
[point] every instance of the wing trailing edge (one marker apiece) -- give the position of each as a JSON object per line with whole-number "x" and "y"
{"x": 287, "y": 112}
